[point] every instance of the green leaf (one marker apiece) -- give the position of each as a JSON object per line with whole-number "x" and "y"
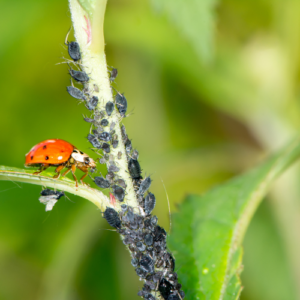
{"x": 194, "y": 19}
{"x": 208, "y": 231}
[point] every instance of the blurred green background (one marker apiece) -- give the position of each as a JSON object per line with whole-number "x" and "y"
{"x": 213, "y": 87}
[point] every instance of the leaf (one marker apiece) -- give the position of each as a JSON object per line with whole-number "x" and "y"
{"x": 195, "y": 19}
{"x": 208, "y": 231}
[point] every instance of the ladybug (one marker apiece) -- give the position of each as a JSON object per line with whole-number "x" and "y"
{"x": 61, "y": 154}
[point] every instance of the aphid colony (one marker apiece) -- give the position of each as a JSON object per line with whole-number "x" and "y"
{"x": 140, "y": 233}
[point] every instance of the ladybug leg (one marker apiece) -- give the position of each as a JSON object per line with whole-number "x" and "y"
{"x": 81, "y": 179}
{"x": 42, "y": 168}
{"x": 57, "y": 170}
{"x": 73, "y": 169}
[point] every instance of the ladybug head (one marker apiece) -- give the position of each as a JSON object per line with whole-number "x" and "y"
{"x": 81, "y": 157}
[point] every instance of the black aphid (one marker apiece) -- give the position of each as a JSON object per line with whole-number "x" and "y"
{"x": 113, "y": 74}
{"x": 149, "y": 203}
{"x": 134, "y": 169}
{"x": 109, "y": 107}
{"x": 141, "y": 273}
{"x": 112, "y": 217}
{"x": 101, "y": 182}
{"x": 154, "y": 220}
{"x": 118, "y": 192}
{"x": 140, "y": 246}
{"x": 147, "y": 264}
{"x": 134, "y": 262}
{"x": 74, "y": 51}
{"x": 104, "y": 122}
{"x": 79, "y": 75}
{"x": 173, "y": 297}
{"x": 92, "y": 103}
{"x": 115, "y": 144}
{"x": 119, "y": 153}
{"x": 148, "y": 239}
{"x": 130, "y": 217}
{"x": 124, "y": 207}
{"x": 89, "y": 120}
{"x": 94, "y": 141}
{"x": 102, "y": 161}
{"x": 121, "y": 183}
{"x": 121, "y": 103}
{"x": 76, "y": 93}
{"x": 56, "y": 194}
{"x": 135, "y": 154}
{"x": 105, "y": 136}
{"x": 124, "y": 135}
{"x": 159, "y": 233}
{"x": 113, "y": 168}
{"x": 106, "y": 147}
{"x": 145, "y": 184}
{"x": 165, "y": 288}
{"x": 170, "y": 261}
{"x": 128, "y": 146}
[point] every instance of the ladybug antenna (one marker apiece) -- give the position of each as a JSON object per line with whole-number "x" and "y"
{"x": 66, "y": 40}
{"x": 168, "y": 206}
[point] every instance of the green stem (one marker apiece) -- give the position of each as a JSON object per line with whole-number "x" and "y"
{"x": 64, "y": 184}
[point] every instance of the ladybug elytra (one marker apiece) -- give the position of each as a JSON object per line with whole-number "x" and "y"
{"x": 61, "y": 154}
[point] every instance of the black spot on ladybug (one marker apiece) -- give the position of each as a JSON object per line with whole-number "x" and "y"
{"x": 74, "y": 51}
{"x": 46, "y": 157}
{"x": 45, "y": 147}
{"x": 62, "y": 151}
{"x": 31, "y": 157}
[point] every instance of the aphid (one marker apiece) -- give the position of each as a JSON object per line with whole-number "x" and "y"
{"x": 113, "y": 74}
{"x": 113, "y": 168}
{"x": 147, "y": 264}
{"x": 118, "y": 192}
{"x": 149, "y": 203}
{"x": 145, "y": 184}
{"x": 119, "y": 154}
{"x": 134, "y": 262}
{"x": 76, "y": 93}
{"x": 102, "y": 161}
{"x": 92, "y": 103}
{"x": 79, "y": 75}
{"x": 159, "y": 233}
{"x": 134, "y": 169}
{"x": 154, "y": 220}
{"x": 124, "y": 207}
{"x": 105, "y": 136}
{"x": 50, "y": 197}
{"x": 148, "y": 239}
{"x": 141, "y": 273}
{"x": 128, "y": 145}
{"x": 106, "y": 147}
{"x": 61, "y": 154}
{"x": 115, "y": 144}
{"x": 89, "y": 120}
{"x": 57, "y": 194}
{"x": 140, "y": 246}
{"x": 121, "y": 103}
{"x": 112, "y": 126}
{"x": 130, "y": 217}
{"x": 104, "y": 122}
{"x": 112, "y": 217}
{"x": 73, "y": 49}
{"x": 110, "y": 177}
{"x": 174, "y": 297}
{"x": 121, "y": 183}
{"x": 165, "y": 288}
{"x": 135, "y": 154}
{"x": 101, "y": 182}
{"x": 94, "y": 141}
{"x": 109, "y": 107}
{"x": 124, "y": 135}
{"x": 96, "y": 88}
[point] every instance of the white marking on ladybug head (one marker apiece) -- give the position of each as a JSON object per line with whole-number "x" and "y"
{"x": 78, "y": 156}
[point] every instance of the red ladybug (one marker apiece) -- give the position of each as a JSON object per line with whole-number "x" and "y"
{"x": 61, "y": 154}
